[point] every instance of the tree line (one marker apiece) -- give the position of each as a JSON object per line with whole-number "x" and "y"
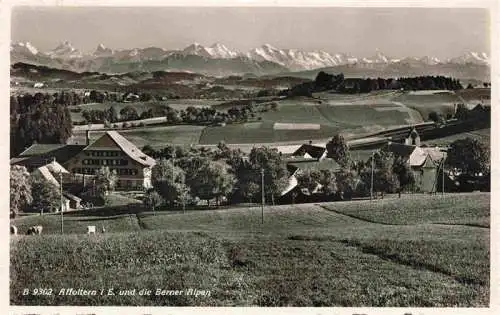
{"x": 190, "y": 115}
{"x": 183, "y": 176}
{"x": 39, "y": 118}
{"x": 327, "y": 82}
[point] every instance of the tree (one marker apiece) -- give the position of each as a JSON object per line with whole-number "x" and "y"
{"x": 435, "y": 117}
{"x": 384, "y": 179}
{"x": 20, "y": 189}
{"x": 469, "y": 156}
{"x": 328, "y": 181}
{"x": 249, "y": 190}
{"x": 46, "y": 195}
{"x": 338, "y": 150}
{"x": 275, "y": 171}
{"x": 461, "y": 112}
{"x": 169, "y": 181}
{"x": 112, "y": 114}
{"x": 105, "y": 181}
{"x": 152, "y": 199}
{"x": 213, "y": 180}
{"x": 345, "y": 182}
{"x": 309, "y": 179}
{"x": 403, "y": 172}
{"x": 39, "y": 121}
{"x": 128, "y": 113}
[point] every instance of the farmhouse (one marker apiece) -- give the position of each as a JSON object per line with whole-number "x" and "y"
{"x": 424, "y": 162}
{"x": 53, "y": 173}
{"x": 132, "y": 166}
{"x": 306, "y": 158}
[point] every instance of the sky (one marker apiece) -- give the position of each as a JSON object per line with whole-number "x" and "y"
{"x": 397, "y": 32}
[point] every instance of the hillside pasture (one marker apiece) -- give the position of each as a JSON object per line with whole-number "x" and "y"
{"x": 263, "y": 132}
{"x": 381, "y": 114}
{"x": 475, "y": 94}
{"x": 160, "y": 136}
{"x": 482, "y": 135}
{"x": 471, "y": 209}
{"x": 303, "y": 255}
{"x": 425, "y": 103}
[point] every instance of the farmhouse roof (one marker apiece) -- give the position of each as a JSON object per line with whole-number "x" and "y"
{"x": 435, "y": 153}
{"x": 416, "y": 156}
{"x": 130, "y": 149}
{"x": 40, "y": 154}
{"x": 325, "y": 164}
{"x": 50, "y": 171}
{"x": 292, "y": 183}
{"x": 71, "y": 196}
{"x": 313, "y": 151}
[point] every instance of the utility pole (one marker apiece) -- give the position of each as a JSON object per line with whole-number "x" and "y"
{"x": 173, "y": 173}
{"x": 443, "y": 178}
{"x": 263, "y": 198}
{"x": 371, "y": 186}
{"x": 62, "y": 210}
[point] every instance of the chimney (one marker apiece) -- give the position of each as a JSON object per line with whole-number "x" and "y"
{"x": 87, "y": 137}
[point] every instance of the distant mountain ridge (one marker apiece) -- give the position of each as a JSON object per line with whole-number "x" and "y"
{"x": 220, "y": 60}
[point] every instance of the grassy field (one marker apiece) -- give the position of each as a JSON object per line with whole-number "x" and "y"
{"x": 353, "y": 115}
{"x": 440, "y": 102}
{"x": 262, "y": 132}
{"x": 160, "y": 136}
{"x": 481, "y": 134}
{"x": 303, "y": 255}
{"x": 447, "y": 209}
{"x": 349, "y": 114}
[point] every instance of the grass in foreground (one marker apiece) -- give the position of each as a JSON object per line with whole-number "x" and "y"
{"x": 473, "y": 209}
{"x": 303, "y": 255}
{"x": 276, "y": 272}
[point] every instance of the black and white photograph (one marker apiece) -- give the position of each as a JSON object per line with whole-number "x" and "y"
{"x": 250, "y": 156}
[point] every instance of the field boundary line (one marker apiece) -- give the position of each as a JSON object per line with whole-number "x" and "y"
{"x": 409, "y": 263}
{"x": 360, "y": 218}
{"x": 462, "y": 224}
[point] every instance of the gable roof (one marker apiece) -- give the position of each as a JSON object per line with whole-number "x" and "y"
{"x": 325, "y": 164}
{"x": 50, "y": 171}
{"x": 71, "y": 196}
{"x": 129, "y": 149}
{"x": 44, "y": 171}
{"x": 435, "y": 153}
{"x": 428, "y": 162}
{"x": 416, "y": 156}
{"x": 315, "y": 152}
{"x": 40, "y": 154}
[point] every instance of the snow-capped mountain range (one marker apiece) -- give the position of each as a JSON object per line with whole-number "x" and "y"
{"x": 67, "y": 56}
